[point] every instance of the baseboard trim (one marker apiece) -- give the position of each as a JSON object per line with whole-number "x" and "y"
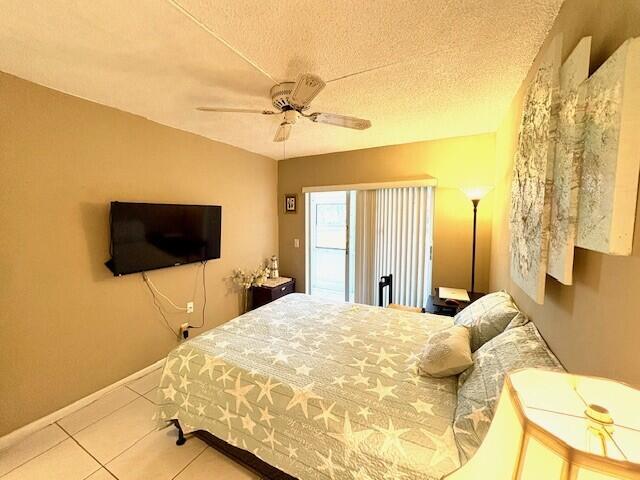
{"x": 19, "y": 434}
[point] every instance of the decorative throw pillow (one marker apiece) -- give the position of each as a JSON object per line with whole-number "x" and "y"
{"x": 446, "y": 353}
{"x": 489, "y": 316}
{"x": 480, "y": 386}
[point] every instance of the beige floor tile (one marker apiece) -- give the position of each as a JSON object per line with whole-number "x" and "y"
{"x": 101, "y": 474}
{"x": 147, "y": 383}
{"x": 65, "y": 461}
{"x": 153, "y": 396}
{"x": 109, "y": 437}
{"x": 97, "y": 410}
{"x": 30, "y": 447}
{"x": 156, "y": 457}
{"x": 212, "y": 464}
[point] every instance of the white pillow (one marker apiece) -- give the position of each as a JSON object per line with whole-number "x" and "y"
{"x": 446, "y": 353}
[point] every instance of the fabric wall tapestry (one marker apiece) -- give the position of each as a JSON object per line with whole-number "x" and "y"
{"x": 532, "y": 182}
{"x": 611, "y": 159}
{"x": 567, "y": 164}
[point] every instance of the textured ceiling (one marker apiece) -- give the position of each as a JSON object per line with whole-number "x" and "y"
{"x": 428, "y": 69}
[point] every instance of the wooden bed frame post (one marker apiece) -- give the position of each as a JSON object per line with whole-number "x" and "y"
{"x": 243, "y": 457}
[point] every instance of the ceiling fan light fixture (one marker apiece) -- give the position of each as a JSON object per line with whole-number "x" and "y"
{"x": 290, "y": 117}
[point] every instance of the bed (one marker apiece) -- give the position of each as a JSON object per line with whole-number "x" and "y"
{"x": 318, "y": 389}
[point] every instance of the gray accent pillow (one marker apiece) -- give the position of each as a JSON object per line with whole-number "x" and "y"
{"x": 479, "y": 386}
{"x": 490, "y": 316}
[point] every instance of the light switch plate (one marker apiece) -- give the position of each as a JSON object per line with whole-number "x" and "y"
{"x": 296, "y": 243}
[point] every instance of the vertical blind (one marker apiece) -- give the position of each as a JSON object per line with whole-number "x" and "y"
{"x": 395, "y": 232}
{"x": 366, "y": 282}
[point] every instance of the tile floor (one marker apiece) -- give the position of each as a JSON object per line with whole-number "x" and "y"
{"x": 115, "y": 438}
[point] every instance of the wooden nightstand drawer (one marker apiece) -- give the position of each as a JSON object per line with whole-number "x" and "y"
{"x": 262, "y": 295}
{"x": 282, "y": 290}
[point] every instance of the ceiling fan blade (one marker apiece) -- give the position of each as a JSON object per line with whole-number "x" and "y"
{"x": 340, "y": 120}
{"x": 283, "y": 132}
{"x": 235, "y": 110}
{"x": 305, "y": 90}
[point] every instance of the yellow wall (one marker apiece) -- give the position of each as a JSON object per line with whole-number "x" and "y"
{"x": 593, "y": 326}
{"x": 454, "y": 162}
{"x": 69, "y": 327}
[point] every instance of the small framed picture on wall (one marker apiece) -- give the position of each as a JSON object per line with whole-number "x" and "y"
{"x": 290, "y": 203}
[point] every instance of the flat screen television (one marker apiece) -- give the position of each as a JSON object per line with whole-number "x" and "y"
{"x": 147, "y": 236}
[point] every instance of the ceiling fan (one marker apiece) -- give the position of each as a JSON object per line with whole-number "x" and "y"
{"x": 292, "y": 100}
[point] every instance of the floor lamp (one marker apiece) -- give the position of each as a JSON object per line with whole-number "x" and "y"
{"x": 475, "y": 194}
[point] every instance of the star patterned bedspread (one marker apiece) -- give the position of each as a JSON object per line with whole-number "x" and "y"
{"x": 319, "y": 389}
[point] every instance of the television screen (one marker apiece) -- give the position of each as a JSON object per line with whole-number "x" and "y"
{"x": 147, "y": 236}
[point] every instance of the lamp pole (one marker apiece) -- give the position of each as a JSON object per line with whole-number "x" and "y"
{"x": 475, "y": 202}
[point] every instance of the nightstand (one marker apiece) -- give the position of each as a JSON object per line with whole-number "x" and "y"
{"x": 440, "y": 306}
{"x": 272, "y": 290}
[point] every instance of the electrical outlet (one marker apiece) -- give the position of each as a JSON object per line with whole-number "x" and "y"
{"x": 189, "y": 307}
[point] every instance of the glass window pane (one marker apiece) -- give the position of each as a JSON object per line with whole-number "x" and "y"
{"x": 331, "y": 237}
{"x": 328, "y": 244}
{"x": 331, "y": 226}
{"x": 331, "y": 214}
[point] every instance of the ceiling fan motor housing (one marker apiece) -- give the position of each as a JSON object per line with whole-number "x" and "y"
{"x": 280, "y": 94}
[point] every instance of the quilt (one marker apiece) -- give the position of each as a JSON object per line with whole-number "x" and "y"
{"x": 319, "y": 389}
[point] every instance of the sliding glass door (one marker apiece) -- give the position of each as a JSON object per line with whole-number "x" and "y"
{"x": 391, "y": 234}
{"x": 329, "y": 256}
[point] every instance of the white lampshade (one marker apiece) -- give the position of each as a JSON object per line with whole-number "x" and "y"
{"x": 541, "y": 430}
{"x": 476, "y": 193}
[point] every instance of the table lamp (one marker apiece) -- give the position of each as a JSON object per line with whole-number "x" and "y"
{"x": 557, "y": 426}
{"x": 475, "y": 194}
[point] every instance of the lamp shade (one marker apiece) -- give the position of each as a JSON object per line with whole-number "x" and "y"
{"x": 551, "y": 425}
{"x": 476, "y": 193}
